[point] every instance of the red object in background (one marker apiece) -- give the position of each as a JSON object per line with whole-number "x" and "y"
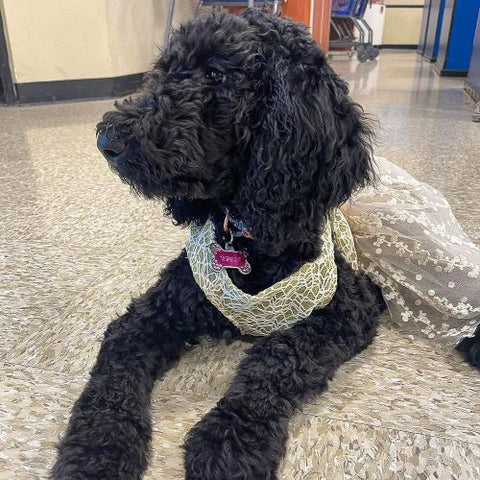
{"x": 301, "y": 11}
{"x": 321, "y": 22}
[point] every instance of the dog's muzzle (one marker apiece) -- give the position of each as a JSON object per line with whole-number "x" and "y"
{"x": 110, "y": 145}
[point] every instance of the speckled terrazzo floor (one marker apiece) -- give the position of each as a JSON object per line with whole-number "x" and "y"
{"x": 76, "y": 246}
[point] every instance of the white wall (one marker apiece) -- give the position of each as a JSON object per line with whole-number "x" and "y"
{"x": 77, "y": 39}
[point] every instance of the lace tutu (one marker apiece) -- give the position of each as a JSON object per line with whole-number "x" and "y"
{"x": 410, "y": 244}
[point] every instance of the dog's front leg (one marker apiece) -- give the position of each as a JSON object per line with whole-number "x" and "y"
{"x": 244, "y": 436}
{"x": 109, "y": 430}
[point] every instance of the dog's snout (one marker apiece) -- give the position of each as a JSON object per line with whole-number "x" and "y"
{"x": 111, "y": 145}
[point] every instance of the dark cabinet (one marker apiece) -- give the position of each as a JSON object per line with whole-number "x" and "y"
{"x": 431, "y": 27}
{"x": 424, "y": 26}
{"x": 432, "y": 35}
{"x": 473, "y": 80}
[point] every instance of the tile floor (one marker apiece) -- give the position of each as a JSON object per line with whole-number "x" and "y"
{"x": 76, "y": 246}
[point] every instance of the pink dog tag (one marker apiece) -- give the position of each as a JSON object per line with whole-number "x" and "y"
{"x": 229, "y": 259}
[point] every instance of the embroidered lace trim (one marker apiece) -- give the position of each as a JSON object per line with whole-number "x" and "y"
{"x": 284, "y": 303}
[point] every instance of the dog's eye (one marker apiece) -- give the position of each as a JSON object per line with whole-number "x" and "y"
{"x": 214, "y": 75}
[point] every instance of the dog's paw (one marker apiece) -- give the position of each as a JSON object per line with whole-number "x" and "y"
{"x": 223, "y": 446}
{"x": 99, "y": 445}
{"x": 83, "y": 463}
{"x": 470, "y": 346}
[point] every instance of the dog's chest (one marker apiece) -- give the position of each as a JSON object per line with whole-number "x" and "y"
{"x": 266, "y": 271}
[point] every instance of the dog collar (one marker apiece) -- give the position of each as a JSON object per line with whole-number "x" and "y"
{"x": 284, "y": 303}
{"x": 240, "y": 225}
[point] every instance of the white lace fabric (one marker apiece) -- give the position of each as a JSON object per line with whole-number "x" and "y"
{"x": 410, "y": 244}
{"x": 284, "y": 303}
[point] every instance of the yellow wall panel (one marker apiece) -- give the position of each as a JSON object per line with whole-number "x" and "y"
{"x": 402, "y": 26}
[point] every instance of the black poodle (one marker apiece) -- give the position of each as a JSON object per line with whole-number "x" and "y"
{"x": 240, "y": 112}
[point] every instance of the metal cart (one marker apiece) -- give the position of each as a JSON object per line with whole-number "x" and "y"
{"x": 353, "y": 10}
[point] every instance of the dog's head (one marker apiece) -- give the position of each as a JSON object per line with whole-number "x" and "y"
{"x": 242, "y": 111}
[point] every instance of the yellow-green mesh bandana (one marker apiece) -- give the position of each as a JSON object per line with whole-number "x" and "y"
{"x": 284, "y": 303}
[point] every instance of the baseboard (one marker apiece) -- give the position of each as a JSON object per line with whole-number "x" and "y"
{"x": 472, "y": 90}
{"x": 395, "y": 46}
{"x": 406, "y": 5}
{"x": 91, "y": 88}
{"x": 429, "y": 59}
{"x": 449, "y": 73}
{"x": 454, "y": 73}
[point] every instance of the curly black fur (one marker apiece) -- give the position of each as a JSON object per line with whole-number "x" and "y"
{"x": 245, "y": 112}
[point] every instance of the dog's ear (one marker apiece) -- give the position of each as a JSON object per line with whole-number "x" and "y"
{"x": 312, "y": 147}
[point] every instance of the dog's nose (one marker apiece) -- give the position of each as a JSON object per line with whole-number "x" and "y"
{"x": 110, "y": 145}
